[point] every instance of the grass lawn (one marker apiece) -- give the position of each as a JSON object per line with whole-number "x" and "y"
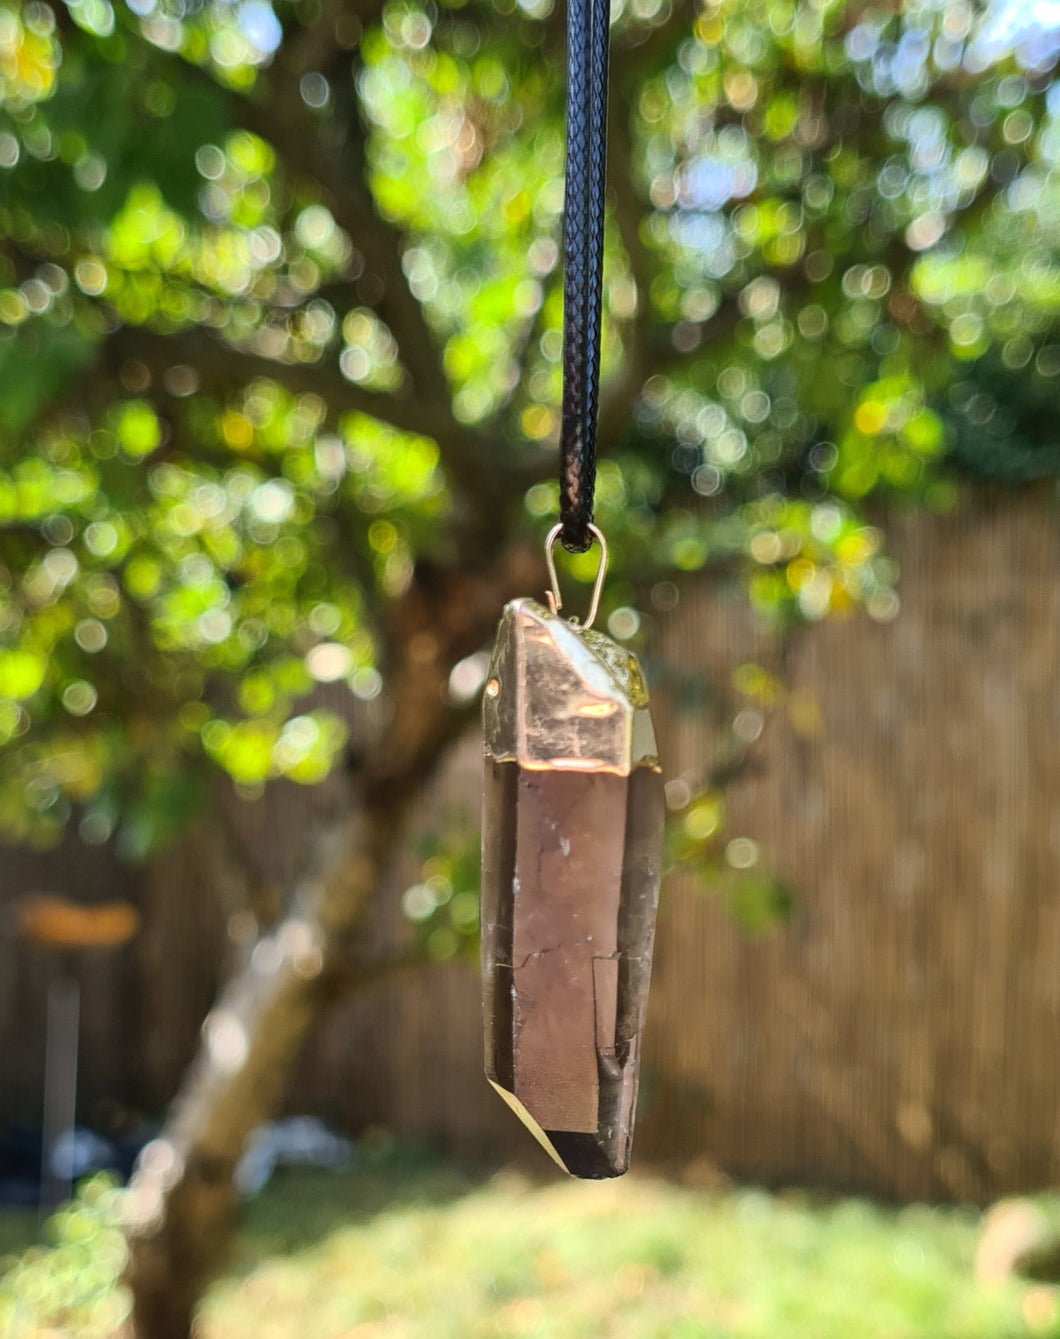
{"x": 407, "y": 1248}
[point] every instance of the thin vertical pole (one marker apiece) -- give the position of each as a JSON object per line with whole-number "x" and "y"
{"x": 60, "y": 1091}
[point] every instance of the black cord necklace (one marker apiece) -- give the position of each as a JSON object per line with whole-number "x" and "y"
{"x": 572, "y": 820}
{"x": 588, "y": 39}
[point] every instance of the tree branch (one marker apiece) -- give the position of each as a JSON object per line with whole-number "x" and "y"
{"x": 644, "y": 46}
{"x": 340, "y": 166}
{"x": 222, "y": 367}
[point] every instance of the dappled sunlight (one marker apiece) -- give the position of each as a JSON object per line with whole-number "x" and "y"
{"x": 193, "y": 546}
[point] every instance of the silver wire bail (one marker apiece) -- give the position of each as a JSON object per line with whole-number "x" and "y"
{"x": 552, "y": 595}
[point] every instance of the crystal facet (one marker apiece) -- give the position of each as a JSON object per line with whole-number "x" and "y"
{"x": 571, "y": 856}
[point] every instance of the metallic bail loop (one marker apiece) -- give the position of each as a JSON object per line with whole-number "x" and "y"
{"x": 552, "y": 595}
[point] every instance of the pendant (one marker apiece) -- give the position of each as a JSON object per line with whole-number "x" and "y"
{"x": 571, "y": 859}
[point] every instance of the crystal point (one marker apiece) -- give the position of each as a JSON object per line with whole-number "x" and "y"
{"x": 572, "y": 844}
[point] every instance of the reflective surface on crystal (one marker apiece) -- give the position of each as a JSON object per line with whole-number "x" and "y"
{"x": 564, "y": 699}
{"x": 571, "y": 865}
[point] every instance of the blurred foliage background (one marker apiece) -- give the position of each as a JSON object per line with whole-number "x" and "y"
{"x": 280, "y": 307}
{"x": 280, "y": 334}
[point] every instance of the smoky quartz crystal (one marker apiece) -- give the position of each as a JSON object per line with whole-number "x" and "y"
{"x": 571, "y": 857}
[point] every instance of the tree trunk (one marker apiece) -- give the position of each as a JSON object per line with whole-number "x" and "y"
{"x": 181, "y": 1200}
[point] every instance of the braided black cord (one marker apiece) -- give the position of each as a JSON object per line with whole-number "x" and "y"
{"x": 583, "y": 254}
